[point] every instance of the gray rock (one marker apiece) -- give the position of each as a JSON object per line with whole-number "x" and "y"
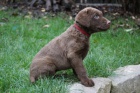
{"x": 126, "y": 79}
{"x": 102, "y": 85}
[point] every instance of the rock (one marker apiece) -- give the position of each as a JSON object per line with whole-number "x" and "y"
{"x": 102, "y": 85}
{"x": 126, "y": 79}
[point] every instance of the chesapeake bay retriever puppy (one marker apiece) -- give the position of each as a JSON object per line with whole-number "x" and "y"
{"x": 68, "y": 50}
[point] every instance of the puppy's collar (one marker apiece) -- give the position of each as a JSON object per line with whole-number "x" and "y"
{"x": 81, "y": 30}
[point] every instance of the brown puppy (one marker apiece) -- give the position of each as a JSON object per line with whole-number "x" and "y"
{"x": 70, "y": 48}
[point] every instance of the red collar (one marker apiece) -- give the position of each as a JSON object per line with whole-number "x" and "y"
{"x": 81, "y": 30}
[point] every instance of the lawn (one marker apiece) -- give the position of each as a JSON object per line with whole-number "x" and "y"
{"x": 21, "y": 37}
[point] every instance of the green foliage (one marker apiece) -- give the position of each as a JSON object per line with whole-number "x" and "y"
{"x": 21, "y": 38}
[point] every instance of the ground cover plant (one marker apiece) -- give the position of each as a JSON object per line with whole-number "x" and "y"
{"x": 21, "y": 37}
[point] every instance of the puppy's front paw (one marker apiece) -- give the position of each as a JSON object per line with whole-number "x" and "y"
{"x": 88, "y": 82}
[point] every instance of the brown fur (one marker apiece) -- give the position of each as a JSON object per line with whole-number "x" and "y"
{"x": 68, "y": 50}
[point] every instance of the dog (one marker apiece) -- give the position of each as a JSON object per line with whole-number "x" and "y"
{"x": 68, "y": 50}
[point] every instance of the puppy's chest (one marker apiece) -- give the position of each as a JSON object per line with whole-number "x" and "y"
{"x": 83, "y": 50}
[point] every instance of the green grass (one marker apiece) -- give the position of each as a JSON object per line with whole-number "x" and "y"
{"x": 21, "y": 38}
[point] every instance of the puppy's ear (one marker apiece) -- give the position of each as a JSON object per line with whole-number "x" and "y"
{"x": 84, "y": 17}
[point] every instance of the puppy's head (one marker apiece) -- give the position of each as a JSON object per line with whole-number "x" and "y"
{"x": 93, "y": 19}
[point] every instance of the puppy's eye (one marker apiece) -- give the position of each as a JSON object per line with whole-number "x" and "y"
{"x": 96, "y": 16}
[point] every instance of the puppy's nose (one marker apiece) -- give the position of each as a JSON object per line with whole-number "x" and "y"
{"x": 108, "y": 22}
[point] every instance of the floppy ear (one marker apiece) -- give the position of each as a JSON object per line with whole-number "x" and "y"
{"x": 84, "y": 17}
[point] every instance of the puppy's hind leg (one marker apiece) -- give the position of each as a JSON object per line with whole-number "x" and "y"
{"x": 48, "y": 69}
{"x": 41, "y": 69}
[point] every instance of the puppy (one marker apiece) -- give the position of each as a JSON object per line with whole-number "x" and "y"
{"x": 68, "y": 50}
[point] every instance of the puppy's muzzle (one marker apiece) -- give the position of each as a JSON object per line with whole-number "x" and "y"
{"x": 108, "y": 22}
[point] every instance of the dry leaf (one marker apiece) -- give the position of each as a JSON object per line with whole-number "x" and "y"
{"x": 115, "y": 14}
{"x": 3, "y": 8}
{"x": 28, "y": 16}
{"x": 129, "y": 30}
{"x": 5, "y": 19}
{"x": 43, "y": 10}
{"x": 133, "y": 17}
{"x": 30, "y": 13}
{"x": 2, "y": 24}
{"x": 46, "y": 26}
{"x": 45, "y": 17}
{"x": 70, "y": 18}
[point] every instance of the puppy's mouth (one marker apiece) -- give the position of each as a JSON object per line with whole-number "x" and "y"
{"x": 103, "y": 28}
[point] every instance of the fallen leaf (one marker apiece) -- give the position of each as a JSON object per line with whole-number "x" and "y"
{"x": 133, "y": 17}
{"x": 30, "y": 13}
{"x": 2, "y": 24}
{"x": 28, "y": 16}
{"x": 3, "y": 8}
{"x": 45, "y": 17}
{"x": 4, "y": 19}
{"x": 115, "y": 14}
{"x": 43, "y": 10}
{"x": 122, "y": 25}
{"x": 128, "y": 30}
{"x": 46, "y": 26}
{"x": 70, "y": 17}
